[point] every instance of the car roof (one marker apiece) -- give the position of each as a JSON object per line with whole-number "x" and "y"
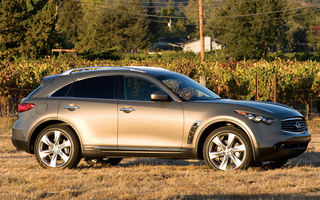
{"x": 142, "y": 69}
{"x": 51, "y": 83}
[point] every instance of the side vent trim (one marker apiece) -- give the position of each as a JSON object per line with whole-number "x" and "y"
{"x": 192, "y": 131}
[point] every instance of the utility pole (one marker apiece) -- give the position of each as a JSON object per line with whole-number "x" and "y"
{"x": 202, "y": 77}
{"x": 201, "y": 28}
{"x": 169, "y": 24}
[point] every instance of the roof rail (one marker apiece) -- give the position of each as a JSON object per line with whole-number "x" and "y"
{"x": 69, "y": 71}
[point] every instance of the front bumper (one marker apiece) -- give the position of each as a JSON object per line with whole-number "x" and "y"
{"x": 289, "y": 148}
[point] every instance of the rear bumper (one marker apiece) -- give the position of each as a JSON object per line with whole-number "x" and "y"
{"x": 19, "y": 141}
{"x": 20, "y": 145}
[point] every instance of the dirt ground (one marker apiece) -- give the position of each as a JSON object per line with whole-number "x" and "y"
{"x": 140, "y": 178}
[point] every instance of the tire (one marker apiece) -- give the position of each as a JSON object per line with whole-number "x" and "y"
{"x": 57, "y": 147}
{"x": 227, "y": 148}
{"x": 103, "y": 161}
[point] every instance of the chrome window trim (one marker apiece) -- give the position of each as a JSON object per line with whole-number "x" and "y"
{"x": 80, "y": 79}
{"x": 113, "y": 74}
{"x": 86, "y": 98}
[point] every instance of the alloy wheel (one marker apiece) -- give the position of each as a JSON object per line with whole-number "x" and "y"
{"x": 227, "y": 149}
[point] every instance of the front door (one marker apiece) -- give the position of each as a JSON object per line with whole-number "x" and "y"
{"x": 144, "y": 124}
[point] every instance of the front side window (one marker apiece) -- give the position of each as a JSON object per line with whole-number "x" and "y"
{"x": 97, "y": 87}
{"x": 186, "y": 88}
{"x": 138, "y": 89}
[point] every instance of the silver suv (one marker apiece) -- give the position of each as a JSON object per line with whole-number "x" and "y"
{"x": 104, "y": 114}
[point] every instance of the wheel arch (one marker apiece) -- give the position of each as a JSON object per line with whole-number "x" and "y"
{"x": 42, "y": 125}
{"x": 221, "y": 122}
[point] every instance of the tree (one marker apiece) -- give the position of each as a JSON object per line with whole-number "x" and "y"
{"x": 209, "y": 10}
{"x": 113, "y": 26}
{"x": 27, "y": 28}
{"x": 40, "y": 35}
{"x": 154, "y": 26}
{"x": 12, "y": 27}
{"x": 314, "y": 33}
{"x": 69, "y": 19}
{"x": 246, "y": 31}
{"x": 174, "y": 27}
{"x": 297, "y": 26}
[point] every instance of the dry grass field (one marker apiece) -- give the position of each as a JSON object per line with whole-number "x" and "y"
{"x": 137, "y": 178}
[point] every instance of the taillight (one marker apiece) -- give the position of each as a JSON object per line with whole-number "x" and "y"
{"x": 25, "y": 106}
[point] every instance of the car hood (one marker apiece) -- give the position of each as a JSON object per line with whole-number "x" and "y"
{"x": 258, "y": 107}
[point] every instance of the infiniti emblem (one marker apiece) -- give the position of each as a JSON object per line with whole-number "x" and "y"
{"x": 297, "y": 125}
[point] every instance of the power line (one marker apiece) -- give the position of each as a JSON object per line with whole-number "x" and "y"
{"x": 180, "y": 17}
{"x": 266, "y": 13}
{"x": 193, "y": 24}
{"x": 175, "y": 6}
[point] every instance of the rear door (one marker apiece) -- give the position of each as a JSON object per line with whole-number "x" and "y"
{"x": 91, "y": 106}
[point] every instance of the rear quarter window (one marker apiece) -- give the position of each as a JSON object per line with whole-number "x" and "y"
{"x": 35, "y": 91}
{"x": 62, "y": 92}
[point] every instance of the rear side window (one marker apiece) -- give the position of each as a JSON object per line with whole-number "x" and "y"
{"x": 97, "y": 87}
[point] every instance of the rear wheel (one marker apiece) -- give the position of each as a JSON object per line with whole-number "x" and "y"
{"x": 227, "y": 148}
{"x": 103, "y": 161}
{"x": 57, "y": 147}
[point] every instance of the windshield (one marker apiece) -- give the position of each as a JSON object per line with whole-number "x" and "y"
{"x": 186, "y": 88}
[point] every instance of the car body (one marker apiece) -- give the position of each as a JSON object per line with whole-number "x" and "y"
{"x": 104, "y": 114}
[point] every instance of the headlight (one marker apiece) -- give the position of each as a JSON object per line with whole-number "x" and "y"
{"x": 256, "y": 118}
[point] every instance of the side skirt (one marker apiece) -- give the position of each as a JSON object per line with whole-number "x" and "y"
{"x": 123, "y": 152}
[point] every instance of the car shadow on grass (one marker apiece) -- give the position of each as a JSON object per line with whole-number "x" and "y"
{"x": 160, "y": 162}
{"x": 305, "y": 159}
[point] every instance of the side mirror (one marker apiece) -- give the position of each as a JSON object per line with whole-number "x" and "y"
{"x": 160, "y": 96}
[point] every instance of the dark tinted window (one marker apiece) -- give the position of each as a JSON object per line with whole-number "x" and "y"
{"x": 186, "y": 88}
{"x": 138, "y": 89}
{"x": 98, "y": 87}
{"x": 62, "y": 92}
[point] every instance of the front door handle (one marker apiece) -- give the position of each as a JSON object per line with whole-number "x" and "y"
{"x": 72, "y": 107}
{"x": 127, "y": 110}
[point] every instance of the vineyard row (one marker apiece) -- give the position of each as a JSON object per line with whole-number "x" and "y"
{"x": 296, "y": 81}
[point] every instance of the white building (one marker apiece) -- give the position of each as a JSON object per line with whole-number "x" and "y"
{"x": 195, "y": 45}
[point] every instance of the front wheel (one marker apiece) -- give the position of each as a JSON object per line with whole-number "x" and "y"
{"x": 57, "y": 147}
{"x": 227, "y": 148}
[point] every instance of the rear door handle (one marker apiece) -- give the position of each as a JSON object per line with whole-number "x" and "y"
{"x": 127, "y": 110}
